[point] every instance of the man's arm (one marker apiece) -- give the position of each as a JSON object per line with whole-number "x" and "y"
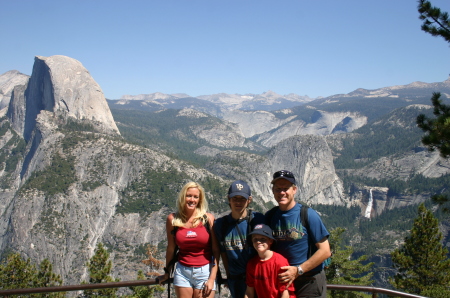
{"x": 322, "y": 253}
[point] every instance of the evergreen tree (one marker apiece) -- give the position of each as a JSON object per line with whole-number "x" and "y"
{"x": 438, "y": 128}
{"x": 45, "y": 277}
{"x": 422, "y": 263}
{"x": 436, "y": 23}
{"x": 345, "y": 271}
{"x": 18, "y": 273}
{"x": 100, "y": 268}
{"x": 144, "y": 291}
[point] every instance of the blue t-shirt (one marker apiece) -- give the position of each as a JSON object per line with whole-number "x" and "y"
{"x": 292, "y": 238}
{"x": 232, "y": 244}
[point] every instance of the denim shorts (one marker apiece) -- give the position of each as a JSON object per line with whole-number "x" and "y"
{"x": 191, "y": 277}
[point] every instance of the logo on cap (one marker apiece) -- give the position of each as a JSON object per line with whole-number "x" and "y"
{"x": 239, "y": 186}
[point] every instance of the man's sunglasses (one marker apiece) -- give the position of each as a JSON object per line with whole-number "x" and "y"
{"x": 283, "y": 173}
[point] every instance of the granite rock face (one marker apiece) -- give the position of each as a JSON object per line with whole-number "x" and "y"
{"x": 307, "y": 156}
{"x": 8, "y": 81}
{"x": 61, "y": 85}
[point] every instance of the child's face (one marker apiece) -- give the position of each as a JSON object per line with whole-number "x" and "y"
{"x": 239, "y": 203}
{"x": 261, "y": 243}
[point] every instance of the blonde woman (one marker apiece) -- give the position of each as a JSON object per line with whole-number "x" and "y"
{"x": 189, "y": 230}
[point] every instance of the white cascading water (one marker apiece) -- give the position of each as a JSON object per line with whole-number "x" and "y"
{"x": 369, "y": 205}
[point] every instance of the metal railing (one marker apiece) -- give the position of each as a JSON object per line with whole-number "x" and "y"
{"x": 150, "y": 282}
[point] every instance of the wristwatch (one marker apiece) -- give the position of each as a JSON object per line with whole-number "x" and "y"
{"x": 300, "y": 270}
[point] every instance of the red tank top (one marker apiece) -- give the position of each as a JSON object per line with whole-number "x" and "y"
{"x": 194, "y": 245}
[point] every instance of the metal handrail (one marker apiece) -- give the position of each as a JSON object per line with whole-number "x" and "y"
{"x": 373, "y": 290}
{"x": 150, "y": 282}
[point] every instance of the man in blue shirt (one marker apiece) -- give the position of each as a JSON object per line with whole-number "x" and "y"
{"x": 232, "y": 231}
{"x": 304, "y": 248}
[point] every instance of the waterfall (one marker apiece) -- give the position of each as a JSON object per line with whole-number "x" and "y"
{"x": 369, "y": 205}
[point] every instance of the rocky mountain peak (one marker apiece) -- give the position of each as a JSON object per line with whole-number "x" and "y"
{"x": 271, "y": 94}
{"x": 61, "y": 85}
{"x": 8, "y": 81}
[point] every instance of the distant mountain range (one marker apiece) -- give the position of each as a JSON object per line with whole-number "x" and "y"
{"x": 219, "y": 104}
{"x": 216, "y": 104}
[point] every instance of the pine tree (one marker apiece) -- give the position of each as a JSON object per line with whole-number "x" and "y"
{"x": 422, "y": 264}
{"x": 144, "y": 291}
{"x": 45, "y": 277}
{"x": 100, "y": 268}
{"x": 436, "y": 23}
{"x": 18, "y": 273}
{"x": 345, "y": 271}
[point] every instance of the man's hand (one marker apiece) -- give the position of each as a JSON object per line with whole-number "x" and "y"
{"x": 289, "y": 275}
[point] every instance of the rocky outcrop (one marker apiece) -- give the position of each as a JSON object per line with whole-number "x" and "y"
{"x": 381, "y": 201}
{"x": 270, "y": 129}
{"x": 420, "y": 161}
{"x": 8, "y": 81}
{"x": 322, "y": 123}
{"x": 253, "y": 123}
{"x": 310, "y": 159}
{"x": 307, "y": 156}
{"x": 63, "y": 86}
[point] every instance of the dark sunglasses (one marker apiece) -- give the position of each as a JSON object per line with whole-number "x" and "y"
{"x": 283, "y": 173}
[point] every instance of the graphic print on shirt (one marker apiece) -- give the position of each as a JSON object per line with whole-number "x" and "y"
{"x": 233, "y": 242}
{"x": 191, "y": 234}
{"x": 289, "y": 232}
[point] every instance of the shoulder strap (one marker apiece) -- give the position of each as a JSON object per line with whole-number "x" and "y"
{"x": 249, "y": 221}
{"x": 224, "y": 228}
{"x": 207, "y": 225}
{"x": 171, "y": 264}
{"x": 304, "y": 216}
{"x": 305, "y": 223}
{"x": 270, "y": 213}
{"x": 312, "y": 246}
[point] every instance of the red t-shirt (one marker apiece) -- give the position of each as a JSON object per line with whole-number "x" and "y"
{"x": 263, "y": 276}
{"x": 194, "y": 245}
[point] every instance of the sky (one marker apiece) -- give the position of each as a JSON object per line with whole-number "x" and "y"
{"x": 202, "y": 47}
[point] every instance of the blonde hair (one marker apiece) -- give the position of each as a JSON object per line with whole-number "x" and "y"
{"x": 180, "y": 217}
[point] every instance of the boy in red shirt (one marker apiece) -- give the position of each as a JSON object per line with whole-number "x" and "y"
{"x": 263, "y": 269}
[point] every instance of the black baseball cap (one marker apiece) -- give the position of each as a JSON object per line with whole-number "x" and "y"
{"x": 239, "y": 188}
{"x": 264, "y": 230}
{"x": 284, "y": 174}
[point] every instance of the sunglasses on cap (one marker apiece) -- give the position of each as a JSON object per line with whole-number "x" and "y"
{"x": 283, "y": 173}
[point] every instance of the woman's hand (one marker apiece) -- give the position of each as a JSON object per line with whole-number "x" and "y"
{"x": 162, "y": 278}
{"x": 207, "y": 287}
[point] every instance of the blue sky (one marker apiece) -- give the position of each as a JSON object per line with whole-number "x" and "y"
{"x": 198, "y": 47}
